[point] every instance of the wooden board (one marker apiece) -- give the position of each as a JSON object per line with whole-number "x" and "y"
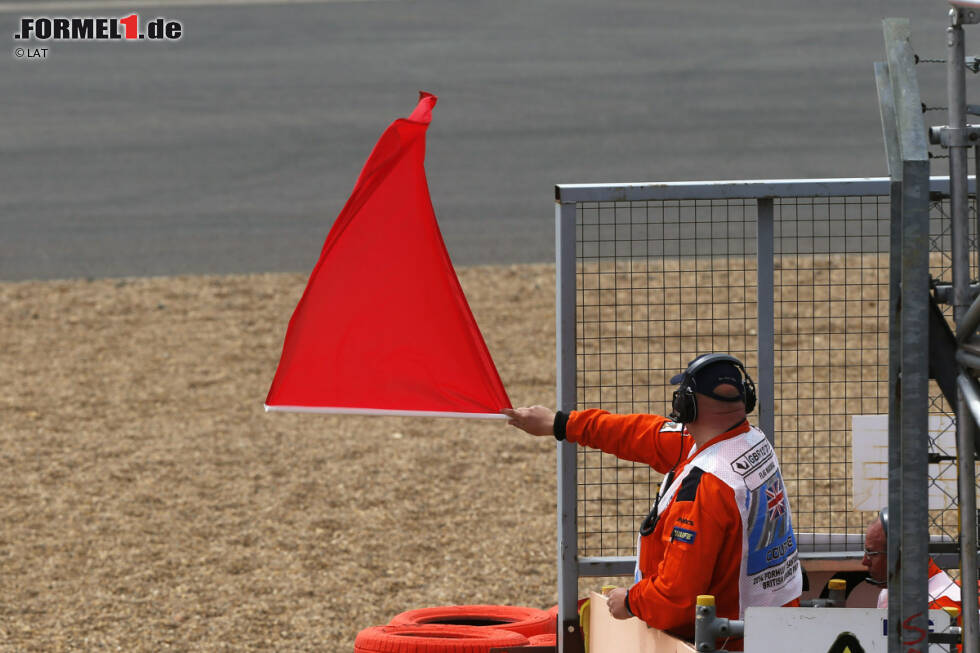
{"x": 610, "y": 635}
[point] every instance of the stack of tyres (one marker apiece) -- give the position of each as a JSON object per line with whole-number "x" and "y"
{"x": 551, "y": 639}
{"x": 458, "y": 629}
{"x": 434, "y": 638}
{"x": 526, "y": 621}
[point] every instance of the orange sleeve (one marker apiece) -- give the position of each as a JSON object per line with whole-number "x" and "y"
{"x": 701, "y": 534}
{"x": 639, "y": 438}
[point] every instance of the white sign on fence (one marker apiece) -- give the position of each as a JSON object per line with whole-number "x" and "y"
{"x": 869, "y": 454}
{"x": 826, "y": 630}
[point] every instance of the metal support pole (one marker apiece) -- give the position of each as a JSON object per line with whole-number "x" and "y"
{"x": 976, "y": 198}
{"x": 569, "y": 631}
{"x": 894, "y": 403}
{"x": 708, "y": 627}
{"x": 914, "y": 555}
{"x": 766, "y": 373}
{"x": 968, "y": 323}
{"x": 959, "y": 208}
{"x": 965, "y": 434}
{"x": 908, "y": 494}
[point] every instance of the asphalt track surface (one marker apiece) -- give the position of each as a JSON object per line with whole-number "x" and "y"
{"x": 233, "y": 149}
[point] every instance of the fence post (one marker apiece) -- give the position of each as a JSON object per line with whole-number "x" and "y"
{"x": 569, "y": 633}
{"x": 908, "y": 575}
{"x": 766, "y": 317}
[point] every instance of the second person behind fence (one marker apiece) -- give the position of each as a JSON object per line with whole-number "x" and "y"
{"x": 721, "y": 523}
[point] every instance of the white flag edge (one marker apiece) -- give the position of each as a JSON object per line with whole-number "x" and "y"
{"x": 379, "y": 412}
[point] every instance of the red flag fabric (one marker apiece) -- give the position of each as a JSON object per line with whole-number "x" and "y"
{"x": 383, "y": 325}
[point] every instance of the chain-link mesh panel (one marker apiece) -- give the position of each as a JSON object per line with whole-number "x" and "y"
{"x": 831, "y": 349}
{"x": 659, "y": 282}
{"x": 943, "y": 473}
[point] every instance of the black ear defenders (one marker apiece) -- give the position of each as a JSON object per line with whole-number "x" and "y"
{"x": 684, "y": 404}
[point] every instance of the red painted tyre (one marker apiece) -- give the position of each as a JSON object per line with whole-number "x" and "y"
{"x": 526, "y": 621}
{"x": 551, "y": 639}
{"x": 434, "y": 638}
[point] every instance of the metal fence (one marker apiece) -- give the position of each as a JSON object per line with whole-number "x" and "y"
{"x": 792, "y": 277}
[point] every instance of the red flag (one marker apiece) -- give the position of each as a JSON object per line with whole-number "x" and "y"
{"x": 383, "y": 325}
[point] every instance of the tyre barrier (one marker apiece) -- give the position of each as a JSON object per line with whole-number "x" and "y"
{"x": 551, "y": 639}
{"x": 517, "y": 619}
{"x": 434, "y": 638}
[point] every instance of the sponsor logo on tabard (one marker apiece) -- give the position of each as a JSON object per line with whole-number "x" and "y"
{"x": 682, "y": 535}
{"x": 753, "y": 458}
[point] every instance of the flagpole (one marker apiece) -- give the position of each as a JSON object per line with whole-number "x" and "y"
{"x": 380, "y": 412}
